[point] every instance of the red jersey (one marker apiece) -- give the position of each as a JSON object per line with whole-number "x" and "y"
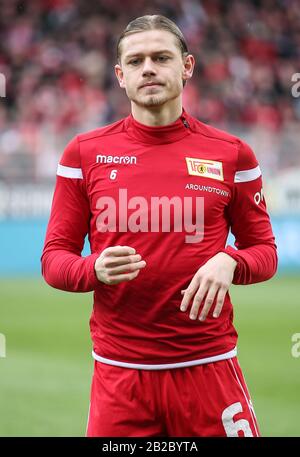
{"x": 126, "y": 167}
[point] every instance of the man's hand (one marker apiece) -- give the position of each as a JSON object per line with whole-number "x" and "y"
{"x": 117, "y": 264}
{"x": 212, "y": 280}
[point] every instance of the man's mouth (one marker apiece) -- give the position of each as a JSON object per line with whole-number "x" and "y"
{"x": 152, "y": 84}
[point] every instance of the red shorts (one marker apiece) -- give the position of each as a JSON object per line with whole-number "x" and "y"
{"x": 202, "y": 400}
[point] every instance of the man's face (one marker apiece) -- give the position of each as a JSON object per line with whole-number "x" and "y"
{"x": 152, "y": 68}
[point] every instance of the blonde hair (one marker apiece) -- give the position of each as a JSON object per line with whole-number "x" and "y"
{"x": 153, "y": 22}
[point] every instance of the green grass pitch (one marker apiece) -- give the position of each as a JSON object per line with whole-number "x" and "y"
{"x": 45, "y": 376}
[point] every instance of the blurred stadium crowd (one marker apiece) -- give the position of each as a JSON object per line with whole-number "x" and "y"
{"x": 58, "y": 57}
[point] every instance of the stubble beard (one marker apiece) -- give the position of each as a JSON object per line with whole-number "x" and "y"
{"x": 151, "y": 100}
{"x": 154, "y": 100}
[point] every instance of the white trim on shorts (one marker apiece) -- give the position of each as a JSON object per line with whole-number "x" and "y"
{"x": 249, "y": 403}
{"x": 166, "y": 366}
{"x": 88, "y": 420}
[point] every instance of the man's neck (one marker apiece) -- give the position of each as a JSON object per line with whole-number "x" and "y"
{"x": 158, "y": 115}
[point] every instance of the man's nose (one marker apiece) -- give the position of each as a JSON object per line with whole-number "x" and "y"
{"x": 148, "y": 67}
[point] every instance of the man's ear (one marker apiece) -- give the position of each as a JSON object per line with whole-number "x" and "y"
{"x": 188, "y": 67}
{"x": 119, "y": 75}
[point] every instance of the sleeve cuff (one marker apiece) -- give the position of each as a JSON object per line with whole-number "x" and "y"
{"x": 232, "y": 252}
{"x": 235, "y": 255}
{"x": 93, "y": 280}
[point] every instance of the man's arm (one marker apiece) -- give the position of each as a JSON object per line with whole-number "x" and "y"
{"x": 256, "y": 253}
{"x": 63, "y": 267}
{"x": 254, "y": 261}
{"x": 62, "y": 264}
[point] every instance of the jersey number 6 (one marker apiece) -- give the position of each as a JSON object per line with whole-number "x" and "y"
{"x": 232, "y": 428}
{"x": 113, "y": 174}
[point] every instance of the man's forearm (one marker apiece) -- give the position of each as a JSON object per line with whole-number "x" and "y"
{"x": 67, "y": 271}
{"x": 255, "y": 264}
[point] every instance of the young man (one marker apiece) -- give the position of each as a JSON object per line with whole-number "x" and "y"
{"x": 157, "y": 192}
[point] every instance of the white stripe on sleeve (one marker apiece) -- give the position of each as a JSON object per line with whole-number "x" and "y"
{"x": 247, "y": 175}
{"x": 69, "y": 172}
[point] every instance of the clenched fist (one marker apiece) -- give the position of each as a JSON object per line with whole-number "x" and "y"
{"x": 117, "y": 264}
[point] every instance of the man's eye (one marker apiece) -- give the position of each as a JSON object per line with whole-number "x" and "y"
{"x": 162, "y": 58}
{"x": 134, "y": 62}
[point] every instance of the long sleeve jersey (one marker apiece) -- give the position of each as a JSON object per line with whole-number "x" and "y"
{"x": 173, "y": 193}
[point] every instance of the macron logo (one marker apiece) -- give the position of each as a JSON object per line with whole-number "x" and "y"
{"x": 126, "y": 160}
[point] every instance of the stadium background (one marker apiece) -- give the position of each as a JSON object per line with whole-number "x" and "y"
{"x": 57, "y": 58}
